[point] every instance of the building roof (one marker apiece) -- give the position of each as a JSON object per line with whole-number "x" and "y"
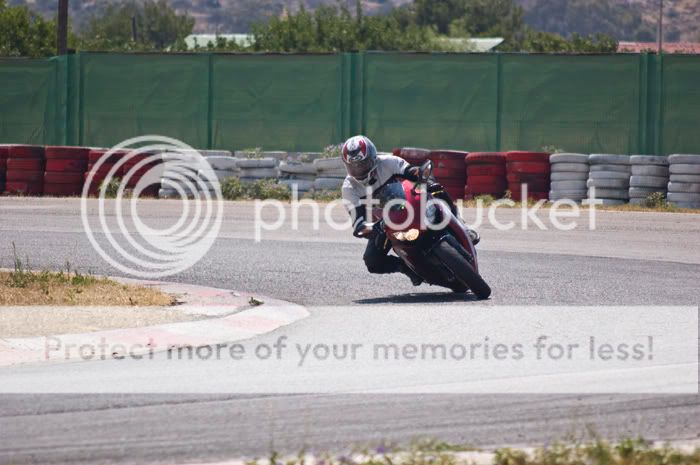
{"x": 202, "y": 40}
{"x": 476, "y": 44}
{"x": 668, "y": 47}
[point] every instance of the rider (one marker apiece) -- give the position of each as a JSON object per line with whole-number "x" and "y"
{"x": 368, "y": 171}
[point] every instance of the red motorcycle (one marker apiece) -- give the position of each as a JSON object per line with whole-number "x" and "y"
{"x": 431, "y": 240}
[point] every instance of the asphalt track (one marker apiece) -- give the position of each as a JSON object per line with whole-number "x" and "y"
{"x": 630, "y": 259}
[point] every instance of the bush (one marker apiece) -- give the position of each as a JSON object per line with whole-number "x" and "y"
{"x": 655, "y": 200}
{"x": 234, "y": 189}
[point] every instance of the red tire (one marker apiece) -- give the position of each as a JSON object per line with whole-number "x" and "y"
{"x": 440, "y": 172}
{"x": 456, "y": 164}
{"x": 96, "y": 154}
{"x": 63, "y": 178}
{"x": 480, "y": 158}
{"x": 436, "y": 155}
{"x": 3, "y": 164}
{"x": 455, "y": 192}
{"x": 486, "y": 180}
{"x": 527, "y": 177}
{"x": 452, "y": 182}
{"x": 529, "y": 167}
{"x": 25, "y": 164}
{"x": 24, "y": 188}
{"x": 66, "y": 166}
{"x": 517, "y": 156}
{"x": 66, "y": 153}
{"x": 26, "y": 151}
{"x": 25, "y": 176}
{"x": 414, "y": 156}
{"x": 4, "y": 152}
{"x": 534, "y": 186}
{"x": 486, "y": 170}
{"x": 495, "y": 185}
{"x": 103, "y": 170}
{"x": 62, "y": 189}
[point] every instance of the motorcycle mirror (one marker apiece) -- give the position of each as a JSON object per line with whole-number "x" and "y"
{"x": 426, "y": 170}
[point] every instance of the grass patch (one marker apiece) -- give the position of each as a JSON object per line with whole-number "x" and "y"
{"x": 23, "y": 286}
{"x": 627, "y": 452}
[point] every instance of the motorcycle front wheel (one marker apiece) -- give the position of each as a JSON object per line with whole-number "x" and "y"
{"x": 453, "y": 259}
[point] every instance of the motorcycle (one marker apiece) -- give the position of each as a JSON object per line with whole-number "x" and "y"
{"x": 432, "y": 241}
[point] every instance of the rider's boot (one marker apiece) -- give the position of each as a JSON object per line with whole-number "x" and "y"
{"x": 415, "y": 279}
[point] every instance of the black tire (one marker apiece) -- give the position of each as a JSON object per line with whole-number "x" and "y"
{"x": 462, "y": 269}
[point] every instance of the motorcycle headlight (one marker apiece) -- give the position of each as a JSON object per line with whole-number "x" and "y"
{"x": 400, "y": 236}
{"x": 411, "y": 234}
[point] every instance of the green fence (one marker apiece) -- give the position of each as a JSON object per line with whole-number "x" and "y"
{"x": 584, "y": 103}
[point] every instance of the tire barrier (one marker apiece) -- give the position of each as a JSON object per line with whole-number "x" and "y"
{"x": 649, "y": 174}
{"x": 4, "y": 152}
{"x": 299, "y": 175}
{"x": 450, "y": 170}
{"x": 486, "y": 174}
{"x": 609, "y": 177}
{"x": 180, "y": 175}
{"x": 94, "y": 157}
{"x": 684, "y": 186}
{"x": 415, "y": 156}
{"x": 65, "y": 170}
{"x": 330, "y": 174}
{"x": 133, "y": 175}
{"x": 255, "y": 169}
{"x": 569, "y": 173}
{"x": 24, "y": 174}
{"x": 530, "y": 169}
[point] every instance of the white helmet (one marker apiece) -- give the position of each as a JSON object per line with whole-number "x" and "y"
{"x": 360, "y": 157}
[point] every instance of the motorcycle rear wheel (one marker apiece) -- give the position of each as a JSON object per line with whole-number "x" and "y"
{"x": 462, "y": 269}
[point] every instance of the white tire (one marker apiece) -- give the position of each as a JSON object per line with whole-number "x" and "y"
{"x": 570, "y": 167}
{"x": 691, "y": 205}
{"x": 648, "y": 160}
{"x": 222, "y": 163}
{"x": 683, "y": 197}
{"x": 643, "y": 192}
{"x": 684, "y": 159}
{"x": 611, "y": 202}
{"x": 277, "y": 154}
{"x": 221, "y": 174}
{"x": 342, "y": 173}
{"x": 608, "y": 183}
{"x": 648, "y": 181}
{"x": 216, "y": 153}
{"x": 638, "y": 201}
{"x": 298, "y": 168}
{"x": 569, "y": 176}
{"x": 608, "y": 175}
{"x": 611, "y": 168}
{"x": 684, "y": 178}
{"x": 325, "y": 184}
{"x": 606, "y": 158}
{"x": 327, "y": 164}
{"x": 601, "y": 193}
{"x": 257, "y": 163}
{"x": 649, "y": 170}
{"x": 682, "y": 187}
{"x": 684, "y": 168}
{"x": 260, "y": 173}
{"x": 573, "y": 195}
{"x": 557, "y": 158}
{"x": 302, "y": 186}
{"x": 568, "y": 185}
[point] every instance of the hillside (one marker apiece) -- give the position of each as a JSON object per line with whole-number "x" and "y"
{"x": 623, "y": 19}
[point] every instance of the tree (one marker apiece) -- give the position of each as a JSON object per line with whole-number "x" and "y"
{"x": 539, "y": 41}
{"x": 158, "y": 27}
{"x": 25, "y": 33}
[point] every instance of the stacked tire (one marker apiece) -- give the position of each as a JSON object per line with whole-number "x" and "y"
{"x": 4, "y": 152}
{"x": 649, "y": 174}
{"x": 528, "y": 175}
{"x": 65, "y": 170}
{"x": 255, "y": 169}
{"x": 486, "y": 174}
{"x": 450, "y": 170}
{"x": 142, "y": 166}
{"x": 25, "y": 170}
{"x": 569, "y": 174}
{"x": 298, "y": 175}
{"x": 330, "y": 174}
{"x": 100, "y": 164}
{"x": 414, "y": 156}
{"x": 179, "y": 175}
{"x": 609, "y": 177}
{"x": 684, "y": 182}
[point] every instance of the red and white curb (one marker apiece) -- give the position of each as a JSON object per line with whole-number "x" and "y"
{"x": 229, "y": 317}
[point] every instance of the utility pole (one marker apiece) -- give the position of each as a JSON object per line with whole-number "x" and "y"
{"x": 660, "y": 28}
{"x": 62, "y": 30}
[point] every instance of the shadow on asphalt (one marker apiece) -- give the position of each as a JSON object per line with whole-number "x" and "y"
{"x": 420, "y": 297}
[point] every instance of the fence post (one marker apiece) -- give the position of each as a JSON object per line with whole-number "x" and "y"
{"x": 210, "y": 101}
{"x": 81, "y": 100}
{"x": 642, "y": 140}
{"x": 660, "y": 104}
{"x": 499, "y": 99}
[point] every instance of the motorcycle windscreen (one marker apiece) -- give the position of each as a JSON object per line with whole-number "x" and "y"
{"x": 393, "y": 202}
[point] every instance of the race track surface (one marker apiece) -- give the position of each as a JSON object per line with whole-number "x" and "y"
{"x": 631, "y": 259}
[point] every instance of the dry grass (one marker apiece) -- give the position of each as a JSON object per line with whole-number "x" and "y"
{"x": 21, "y": 287}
